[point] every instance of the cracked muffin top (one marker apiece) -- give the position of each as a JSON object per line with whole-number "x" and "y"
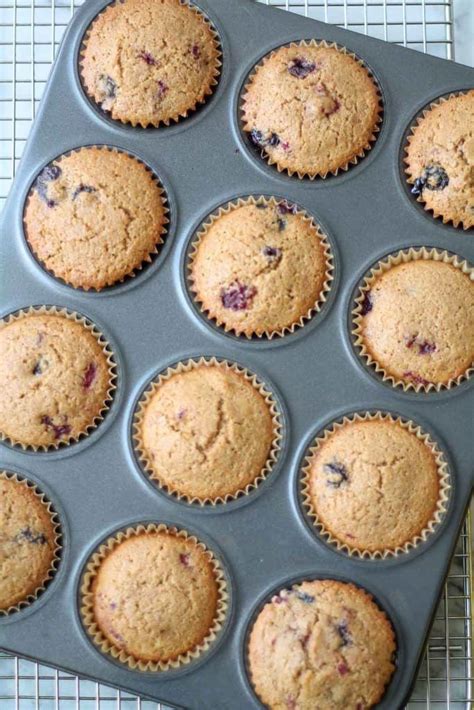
{"x": 27, "y": 542}
{"x": 95, "y": 216}
{"x": 373, "y": 485}
{"x": 260, "y": 268}
{"x": 440, "y": 160}
{"x": 417, "y": 322}
{"x": 54, "y": 379}
{"x": 322, "y": 644}
{"x": 310, "y": 109}
{"x": 155, "y": 596}
{"x": 198, "y": 432}
{"x": 148, "y": 62}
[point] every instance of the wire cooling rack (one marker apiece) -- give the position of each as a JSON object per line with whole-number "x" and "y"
{"x": 30, "y": 33}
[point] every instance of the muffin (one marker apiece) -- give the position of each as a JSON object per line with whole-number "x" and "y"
{"x": 28, "y": 542}
{"x": 440, "y": 159}
{"x": 281, "y": 275}
{"x": 311, "y": 109}
{"x": 195, "y": 431}
{"x": 415, "y": 319}
{"x": 148, "y": 62}
{"x": 375, "y": 485}
{"x": 322, "y": 644}
{"x": 56, "y": 378}
{"x": 153, "y": 597}
{"x": 95, "y": 216}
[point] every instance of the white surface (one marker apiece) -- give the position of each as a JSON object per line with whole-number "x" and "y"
{"x": 464, "y": 31}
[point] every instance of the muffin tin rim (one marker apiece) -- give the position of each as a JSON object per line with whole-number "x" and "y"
{"x": 405, "y": 186}
{"x": 193, "y": 531}
{"x": 63, "y": 536}
{"x": 65, "y": 449}
{"x": 126, "y": 127}
{"x": 256, "y": 342}
{"x": 287, "y": 582}
{"x": 302, "y": 451}
{"x": 282, "y": 452}
{"x": 353, "y": 290}
{"x": 379, "y": 135}
{"x": 142, "y": 272}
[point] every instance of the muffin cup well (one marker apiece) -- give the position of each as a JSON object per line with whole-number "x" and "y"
{"x": 443, "y": 477}
{"x": 136, "y": 269}
{"x": 272, "y": 202}
{"x": 411, "y": 178}
{"x": 21, "y": 480}
{"x": 403, "y": 256}
{"x": 362, "y": 152}
{"x": 186, "y": 366}
{"x": 112, "y": 370}
{"x": 202, "y": 98}
{"x": 87, "y": 601}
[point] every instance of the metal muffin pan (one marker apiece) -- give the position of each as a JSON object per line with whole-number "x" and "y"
{"x": 264, "y": 541}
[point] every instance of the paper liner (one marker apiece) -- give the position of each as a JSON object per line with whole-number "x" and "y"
{"x": 403, "y": 256}
{"x": 87, "y": 601}
{"x": 186, "y": 366}
{"x": 362, "y": 152}
{"x": 136, "y": 269}
{"x": 273, "y": 202}
{"x": 443, "y": 475}
{"x": 411, "y": 178}
{"x": 202, "y": 98}
{"x": 282, "y": 592}
{"x": 21, "y": 480}
{"x": 106, "y": 349}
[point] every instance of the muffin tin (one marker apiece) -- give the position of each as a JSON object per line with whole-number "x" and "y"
{"x": 263, "y": 539}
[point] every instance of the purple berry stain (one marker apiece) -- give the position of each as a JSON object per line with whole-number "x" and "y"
{"x": 184, "y": 559}
{"x": 415, "y": 378}
{"x": 147, "y": 58}
{"x": 433, "y": 177}
{"x": 273, "y": 254}
{"x": 82, "y": 188}
{"x": 300, "y": 67}
{"x": 336, "y": 474}
{"x": 344, "y": 634}
{"x": 196, "y": 51}
{"x": 40, "y": 366}
{"x": 50, "y": 173}
{"x": 304, "y": 597}
{"x": 162, "y": 88}
{"x": 59, "y": 430}
{"x": 181, "y": 414}
{"x": 285, "y": 207}
{"x": 238, "y": 296}
{"x": 367, "y": 304}
{"x": 424, "y": 347}
{"x": 342, "y": 668}
{"x": 89, "y": 375}
{"x": 28, "y": 535}
{"x": 261, "y": 141}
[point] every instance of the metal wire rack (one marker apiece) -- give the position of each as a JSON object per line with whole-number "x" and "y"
{"x": 30, "y": 33}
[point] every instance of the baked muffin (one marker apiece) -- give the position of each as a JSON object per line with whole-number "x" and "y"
{"x": 280, "y": 277}
{"x": 147, "y": 62}
{"x": 55, "y": 378}
{"x": 95, "y": 216}
{"x": 28, "y": 542}
{"x": 311, "y": 109}
{"x": 322, "y": 644}
{"x": 374, "y": 484}
{"x": 195, "y": 431}
{"x": 416, "y": 321}
{"x": 155, "y": 597}
{"x": 440, "y": 159}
